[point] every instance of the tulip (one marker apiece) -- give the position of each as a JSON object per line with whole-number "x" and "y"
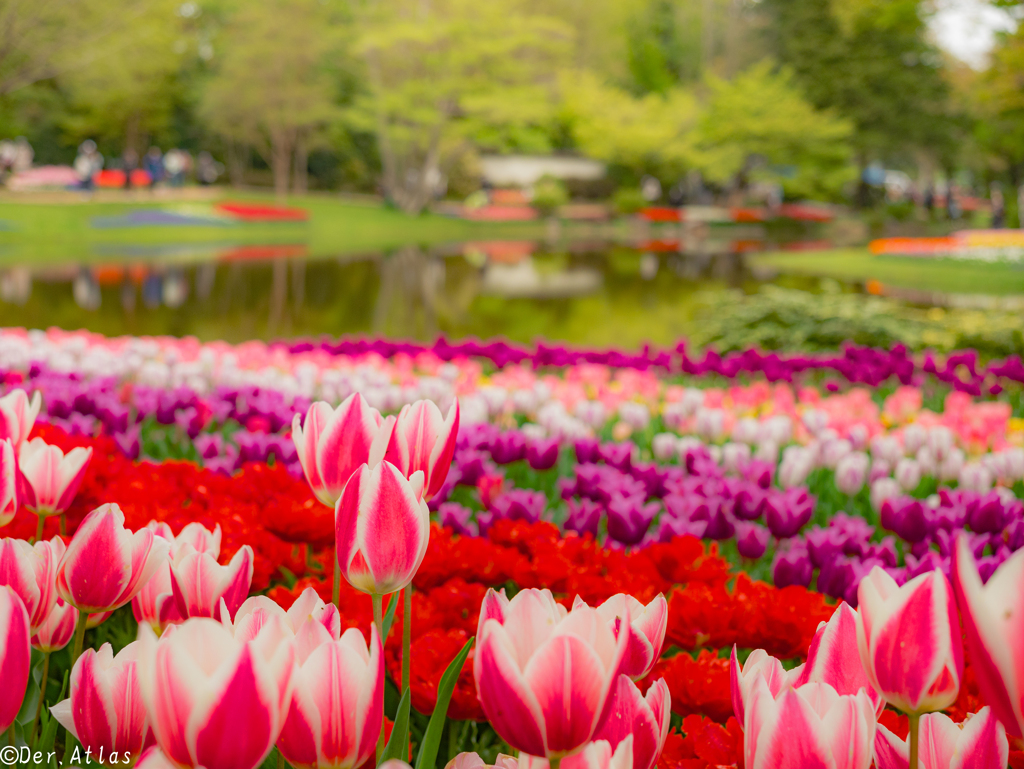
{"x": 852, "y": 472}
{"x": 473, "y": 761}
{"x": 154, "y": 758}
{"x": 596, "y": 755}
{"x": 8, "y": 483}
{"x": 199, "y": 583}
{"x": 338, "y": 704}
{"x": 15, "y": 655}
{"x": 751, "y": 539}
{"x": 647, "y": 627}
{"x": 49, "y": 479}
{"x": 543, "y": 675}
{"x": 797, "y": 463}
{"x": 834, "y": 657}
{"x": 216, "y": 697}
{"x": 106, "y": 565}
{"x": 18, "y": 415}
{"x": 542, "y": 454}
{"x": 424, "y": 441}
{"x": 333, "y": 443}
{"x": 57, "y": 629}
{"x": 383, "y": 527}
{"x": 978, "y": 743}
{"x": 908, "y": 474}
{"x": 992, "y": 614}
{"x": 30, "y": 570}
{"x": 645, "y": 718}
{"x": 311, "y": 621}
{"x": 807, "y": 726}
{"x": 909, "y": 640}
{"x": 759, "y": 665}
{"x": 105, "y": 711}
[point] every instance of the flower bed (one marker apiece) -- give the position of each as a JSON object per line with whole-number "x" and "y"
{"x": 754, "y": 508}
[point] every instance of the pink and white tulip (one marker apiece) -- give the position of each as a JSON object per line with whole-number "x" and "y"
{"x": 201, "y": 681}
{"x": 106, "y": 565}
{"x": 15, "y": 655}
{"x": 645, "y": 718}
{"x": 154, "y": 603}
{"x": 473, "y": 761}
{"x": 199, "y": 583}
{"x": 978, "y": 743}
{"x": 57, "y": 629}
{"x": 543, "y": 675}
{"x": 809, "y": 726}
{"x": 834, "y": 657}
{"x": 8, "y": 483}
{"x": 18, "y": 416}
{"x": 759, "y": 666}
{"x": 596, "y": 755}
{"x": 154, "y": 758}
{"x": 49, "y": 478}
{"x": 647, "y": 626}
{"x": 332, "y": 443}
{"x": 909, "y": 639}
{"x": 31, "y": 572}
{"x": 338, "y": 704}
{"x": 383, "y": 528}
{"x": 993, "y": 615}
{"x": 310, "y": 621}
{"x": 105, "y": 709}
{"x": 424, "y": 440}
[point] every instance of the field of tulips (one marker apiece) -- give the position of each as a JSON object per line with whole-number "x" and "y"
{"x": 326, "y": 554}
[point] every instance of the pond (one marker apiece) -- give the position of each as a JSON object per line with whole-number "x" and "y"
{"x": 594, "y": 293}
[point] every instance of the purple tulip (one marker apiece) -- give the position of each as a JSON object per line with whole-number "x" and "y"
{"x": 906, "y": 517}
{"x": 542, "y": 454}
{"x": 520, "y": 505}
{"x": 509, "y": 447}
{"x": 584, "y": 516}
{"x": 458, "y": 518}
{"x": 587, "y": 451}
{"x": 792, "y": 567}
{"x": 787, "y": 512}
{"x": 618, "y": 455}
{"x": 751, "y": 539}
{"x": 629, "y": 518}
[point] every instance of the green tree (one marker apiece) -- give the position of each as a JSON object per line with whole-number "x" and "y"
{"x": 997, "y": 95}
{"x": 272, "y": 86}
{"x": 760, "y": 119}
{"x": 440, "y": 73}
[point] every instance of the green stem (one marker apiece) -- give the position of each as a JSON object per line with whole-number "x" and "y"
{"x": 76, "y": 650}
{"x": 42, "y": 698}
{"x": 914, "y": 736}
{"x": 406, "y": 636}
{"x": 378, "y": 621}
{"x": 39, "y": 529}
{"x": 336, "y": 594}
{"x": 554, "y": 762}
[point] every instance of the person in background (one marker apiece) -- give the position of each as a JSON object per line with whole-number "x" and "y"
{"x": 130, "y": 161}
{"x": 174, "y": 165}
{"x": 952, "y": 202}
{"x": 23, "y": 155}
{"x": 87, "y": 164}
{"x": 207, "y": 169}
{"x": 153, "y": 164}
{"x": 7, "y": 155}
{"x": 998, "y": 206}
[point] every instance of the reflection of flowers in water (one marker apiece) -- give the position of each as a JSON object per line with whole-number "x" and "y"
{"x": 16, "y": 285}
{"x": 175, "y": 288}
{"x": 86, "y": 290}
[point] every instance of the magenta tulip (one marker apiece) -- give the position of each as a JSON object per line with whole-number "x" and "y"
{"x": 646, "y": 718}
{"x": 834, "y": 657}
{"x": 596, "y": 755}
{"x": 993, "y": 615}
{"x": 31, "y": 572}
{"x": 647, "y": 628}
{"x": 106, "y": 565}
{"x": 15, "y": 655}
{"x": 543, "y": 675}
{"x": 105, "y": 711}
{"x": 18, "y": 415}
{"x": 199, "y": 583}
{"x": 979, "y": 743}
{"x": 759, "y": 665}
{"x": 154, "y": 603}
{"x": 809, "y": 726}
{"x": 215, "y": 700}
{"x": 383, "y": 527}
{"x": 424, "y": 440}
{"x": 909, "y": 639}
{"x": 8, "y": 482}
{"x": 338, "y": 703}
{"x": 57, "y": 629}
{"x": 333, "y": 443}
{"x": 49, "y": 478}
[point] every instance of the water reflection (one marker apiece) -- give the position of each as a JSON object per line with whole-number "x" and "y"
{"x": 583, "y": 292}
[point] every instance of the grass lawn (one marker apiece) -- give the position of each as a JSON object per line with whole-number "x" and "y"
{"x": 54, "y": 232}
{"x": 858, "y": 264}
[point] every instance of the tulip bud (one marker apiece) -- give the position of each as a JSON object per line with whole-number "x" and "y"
{"x": 647, "y": 627}
{"x": 665, "y": 446}
{"x": 30, "y": 570}
{"x": 980, "y": 741}
{"x": 908, "y": 474}
{"x": 57, "y": 629}
{"x": 851, "y": 472}
{"x": 18, "y": 415}
{"x": 910, "y": 640}
{"x": 9, "y": 476}
{"x": 882, "y": 490}
{"x": 759, "y": 665}
{"x": 974, "y": 476}
{"x": 797, "y": 464}
{"x": 424, "y": 441}
{"x": 49, "y": 478}
{"x": 645, "y": 718}
{"x": 15, "y": 655}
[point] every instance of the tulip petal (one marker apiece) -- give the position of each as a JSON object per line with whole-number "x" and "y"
{"x": 793, "y": 738}
{"x": 982, "y": 743}
{"x": 890, "y": 751}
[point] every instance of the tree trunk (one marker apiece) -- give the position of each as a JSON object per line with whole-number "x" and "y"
{"x": 238, "y": 161}
{"x": 300, "y": 183}
{"x": 282, "y": 142}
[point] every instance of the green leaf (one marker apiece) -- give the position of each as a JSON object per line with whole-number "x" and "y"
{"x": 432, "y": 737}
{"x": 398, "y": 745}
{"x": 389, "y": 617}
